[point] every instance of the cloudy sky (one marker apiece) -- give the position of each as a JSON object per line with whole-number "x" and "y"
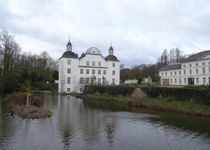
{"x": 138, "y": 29}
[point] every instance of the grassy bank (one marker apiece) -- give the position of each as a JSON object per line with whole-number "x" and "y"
{"x": 160, "y": 104}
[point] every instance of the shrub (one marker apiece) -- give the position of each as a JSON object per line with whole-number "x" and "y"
{"x": 186, "y": 93}
{"x": 109, "y": 90}
{"x": 20, "y": 99}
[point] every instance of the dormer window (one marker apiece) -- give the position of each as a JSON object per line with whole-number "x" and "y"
{"x": 87, "y": 63}
{"x": 69, "y": 61}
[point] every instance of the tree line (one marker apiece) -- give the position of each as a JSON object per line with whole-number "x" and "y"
{"x": 138, "y": 72}
{"x": 17, "y": 67}
{"x": 174, "y": 55}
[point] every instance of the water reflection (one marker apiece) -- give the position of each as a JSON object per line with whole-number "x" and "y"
{"x": 110, "y": 127}
{"x": 79, "y": 125}
{"x": 76, "y": 120}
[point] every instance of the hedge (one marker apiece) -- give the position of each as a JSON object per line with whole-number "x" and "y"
{"x": 201, "y": 94}
{"x": 185, "y": 93}
{"x": 109, "y": 90}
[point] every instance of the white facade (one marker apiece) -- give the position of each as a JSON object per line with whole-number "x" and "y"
{"x": 89, "y": 69}
{"x": 194, "y": 70}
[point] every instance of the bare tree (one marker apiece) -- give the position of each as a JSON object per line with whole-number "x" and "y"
{"x": 164, "y": 57}
{"x": 9, "y": 49}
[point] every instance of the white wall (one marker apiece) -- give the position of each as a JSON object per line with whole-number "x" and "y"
{"x": 189, "y": 71}
{"x": 75, "y": 75}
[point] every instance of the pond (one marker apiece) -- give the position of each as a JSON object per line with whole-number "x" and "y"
{"x": 76, "y": 124}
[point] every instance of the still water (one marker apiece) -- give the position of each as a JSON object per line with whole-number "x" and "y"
{"x": 85, "y": 126}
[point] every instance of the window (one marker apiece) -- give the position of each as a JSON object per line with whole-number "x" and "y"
{"x": 68, "y": 89}
{"x": 69, "y": 61}
{"x": 68, "y": 80}
{"x": 171, "y": 81}
{"x": 209, "y": 69}
{"x": 196, "y": 70}
{"x": 87, "y": 71}
{"x": 175, "y": 73}
{"x": 99, "y": 80}
{"x": 185, "y": 80}
{"x": 87, "y": 63}
{"x": 190, "y": 71}
{"x": 184, "y": 66}
{"x": 196, "y": 64}
{"x": 175, "y": 81}
{"x": 81, "y": 81}
{"x": 93, "y": 63}
{"x": 179, "y": 72}
{"x": 171, "y": 73}
{"x": 99, "y": 71}
{"x": 166, "y": 73}
{"x": 104, "y": 72}
{"x": 93, "y": 71}
{"x": 204, "y": 70}
{"x": 99, "y": 64}
{"x": 190, "y": 65}
{"x": 197, "y": 80}
{"x": 113, "y": 81}
{"x": 87, "y": 80}
{"x": 162, "y": 74}
{"x": 184, "y": 72}
{"x": 113, "y": 64}
{"x": 180, "y": 81}
{"x": 204, "y": 80}
{"x": 203, "y": 63}
{"x": 81, "y": 71}
{"x": 69, "y": 70}
{"x": 113, "y": 72}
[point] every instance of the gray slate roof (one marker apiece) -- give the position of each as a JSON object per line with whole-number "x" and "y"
{"x": 197, "y": 57}
{"x": 111, "y": 58}
{"x": 171, "y": 67}
{"x": 69, "y": 54}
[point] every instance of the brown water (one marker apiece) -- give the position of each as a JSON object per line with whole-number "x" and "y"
{"x": 79, "y": 125}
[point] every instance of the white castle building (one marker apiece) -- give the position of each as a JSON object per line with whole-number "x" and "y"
{"x": 91, "y": 68}
{"x": 194, "y": 70}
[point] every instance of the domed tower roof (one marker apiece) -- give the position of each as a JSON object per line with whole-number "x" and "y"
{"x": 69, "y": 54}
{"x": 111, "y": 56}
{"x": 93, "y": 50}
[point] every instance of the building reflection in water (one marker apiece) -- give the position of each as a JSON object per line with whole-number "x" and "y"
{"x": 76, "y": 120}
{"x": 110, "y": 126}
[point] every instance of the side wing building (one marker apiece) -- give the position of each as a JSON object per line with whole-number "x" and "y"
{"x": 194, "y": 70}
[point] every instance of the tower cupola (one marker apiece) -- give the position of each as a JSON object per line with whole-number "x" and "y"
{"x": 111, "y": 50}
{"x": 69, "y": 46}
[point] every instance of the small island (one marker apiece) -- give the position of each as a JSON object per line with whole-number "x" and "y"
{"x": 27, "y": 107}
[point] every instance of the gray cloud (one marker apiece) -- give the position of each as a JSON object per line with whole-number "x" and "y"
{"x": 138, "y": 29}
